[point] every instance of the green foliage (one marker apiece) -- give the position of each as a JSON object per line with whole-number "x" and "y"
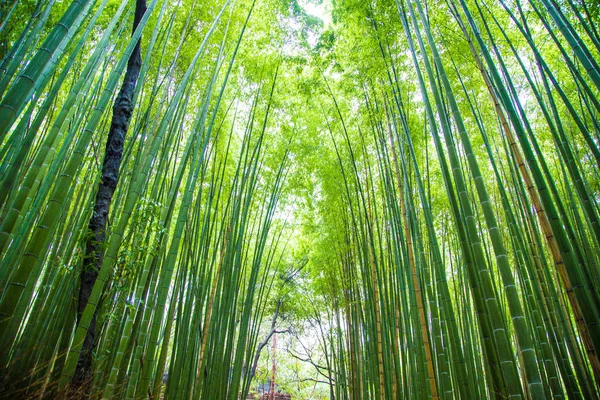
{"x": 411, "y": 187}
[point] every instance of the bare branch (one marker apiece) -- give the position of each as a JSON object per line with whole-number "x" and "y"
{"x": 266, "y": 341}
{"x": 314, "y": 380}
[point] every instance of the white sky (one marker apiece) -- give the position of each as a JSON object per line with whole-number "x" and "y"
{"x": 321, "y": 11}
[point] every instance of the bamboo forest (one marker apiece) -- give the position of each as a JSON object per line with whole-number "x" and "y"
{"x": 299, "y": 199}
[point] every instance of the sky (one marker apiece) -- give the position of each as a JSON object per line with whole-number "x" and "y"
{"x": 321, "y": 10}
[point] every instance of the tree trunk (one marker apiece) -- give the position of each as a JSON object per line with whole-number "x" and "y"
{"x": 262, "y": 344}
{"x": 122, "y": 111}
{"x": 272, "y": 390}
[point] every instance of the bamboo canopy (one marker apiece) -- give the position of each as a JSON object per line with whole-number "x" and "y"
{"x": 391, "y": 199}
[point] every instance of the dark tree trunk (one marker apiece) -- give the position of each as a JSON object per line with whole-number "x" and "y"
{"x": 94, "y": 250}
{"x": 262, "y": 344}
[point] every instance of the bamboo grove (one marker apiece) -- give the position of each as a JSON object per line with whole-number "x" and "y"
{"x": 420, "y": 180}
